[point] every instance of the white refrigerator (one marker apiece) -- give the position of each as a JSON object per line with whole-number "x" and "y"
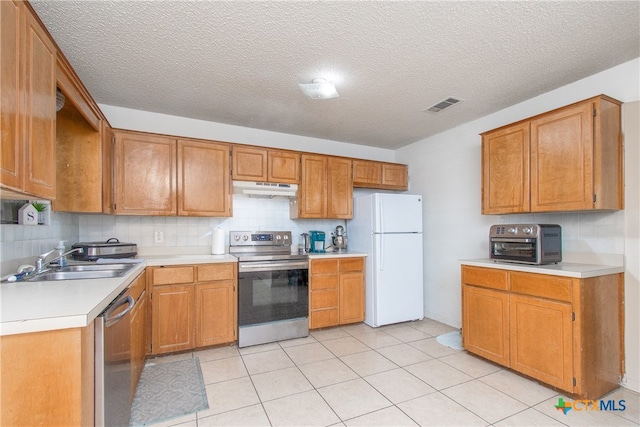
{"x": 388, "y": 227}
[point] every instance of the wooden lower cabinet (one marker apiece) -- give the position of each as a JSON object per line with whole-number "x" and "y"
{"x": 192, "y": 306}
{"x": 565, "y": 332}
{"x": 47, "y": 378}
{"x": 336, "y": 291}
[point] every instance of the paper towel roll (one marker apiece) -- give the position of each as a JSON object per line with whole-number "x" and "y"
{"x": 217, "y": 242}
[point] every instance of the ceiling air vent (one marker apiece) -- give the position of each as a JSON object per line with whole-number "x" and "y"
{"x": 445, "y": 103}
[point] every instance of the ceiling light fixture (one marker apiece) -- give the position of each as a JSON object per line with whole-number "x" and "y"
{"x": 319, "y": 89}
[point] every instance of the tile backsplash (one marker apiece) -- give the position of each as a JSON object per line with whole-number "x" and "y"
{"x": 192, "y": 232}
{"x": 587, "y": 237}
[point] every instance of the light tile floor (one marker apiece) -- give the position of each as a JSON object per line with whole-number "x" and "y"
{"x": 396, "y": 375}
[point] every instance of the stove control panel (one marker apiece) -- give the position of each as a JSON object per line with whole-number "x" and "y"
{"x": 260, "y": 238}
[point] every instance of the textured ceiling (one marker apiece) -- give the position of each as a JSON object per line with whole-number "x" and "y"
{"x": 240, "y": 62}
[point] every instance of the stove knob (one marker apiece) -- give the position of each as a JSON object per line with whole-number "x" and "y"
{"x": 245, "y": 237}
{"x": 285, "y": 237}
{"x": 236, "y": 237}
{"x": 527, "y": 230}
{"x": 512, "y": 230}
{"x": 278, "y": 238}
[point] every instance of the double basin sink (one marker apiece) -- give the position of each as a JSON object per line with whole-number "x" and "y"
{"x": 89, "y": 271}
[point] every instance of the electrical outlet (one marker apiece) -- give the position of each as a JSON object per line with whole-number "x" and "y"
{"x": 158, "y": 236}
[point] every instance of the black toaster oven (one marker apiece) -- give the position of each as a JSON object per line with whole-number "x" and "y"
{"x": 526, "y": 243}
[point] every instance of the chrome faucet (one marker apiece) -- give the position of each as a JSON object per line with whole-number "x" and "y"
{"x": 40, "y": 260}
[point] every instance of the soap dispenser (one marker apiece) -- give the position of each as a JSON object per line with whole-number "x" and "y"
{"x": 62, "y": 260}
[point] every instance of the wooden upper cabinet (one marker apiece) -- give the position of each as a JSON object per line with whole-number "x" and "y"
{"x": 265, "y": 165}
{"x": 367, "y": 173}
{"x": 203, "y": 179}
{"x": 28, "y": 111}
{"x": 249, "y": 164}
{"x": 505, "y": 170}
{"x": 395, "y": 176}
{"x": 79, "y": 148}
{"x": 158, "y": 175}
{"x": 312, "y": 194}
{"x": 283, "y": 166}
{"x": 339, "y": 188}
{"x": 326, "y": 188}
{"x": 11, "y": 162}
{"x": 145, "y": 173}
{"x": 576, "y": 158}
{"x": 108, "y": 168}
{"x": 570, "y": 159}
{"x": 372, "y": 174}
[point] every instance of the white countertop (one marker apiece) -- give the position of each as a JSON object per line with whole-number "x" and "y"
{"x": 344, "y": 254}
{"x": 567, "y": 269}
{"x": 43, "y": 306}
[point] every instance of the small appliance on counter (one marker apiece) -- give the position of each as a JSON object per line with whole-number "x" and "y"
{"x": 304, "y": 246}
{"x": 339, "y": 239}
{"x": 112, "y": 248}
{"x": 317, "y": 241}
{"x": 535, "y": 244}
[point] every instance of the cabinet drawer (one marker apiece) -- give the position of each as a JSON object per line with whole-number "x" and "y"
{"x": 324, "y": 299}
{"x": 324, "y": 318}
{"x": 351, "y": 264}
{"x": 541, "y": 285}
{"x": 324, "y": 266}
{"x": 485, "y": 277}
{"x": 328, "y": 281}
{"x": 209, "y": 272}
{"x": 172, "y": 275}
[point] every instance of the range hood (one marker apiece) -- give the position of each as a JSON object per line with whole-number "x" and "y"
{"x": 264, "y": 189}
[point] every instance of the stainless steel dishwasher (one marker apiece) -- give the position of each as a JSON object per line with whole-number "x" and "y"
{"x": 113, "y": 363}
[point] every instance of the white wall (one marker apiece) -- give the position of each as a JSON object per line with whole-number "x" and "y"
{"x": 144, "y": 121}
{"x": 446, "y": 169}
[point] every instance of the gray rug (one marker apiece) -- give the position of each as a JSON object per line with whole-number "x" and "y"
{"x": 169, "y": 390}
{"x": 451, "y": 340}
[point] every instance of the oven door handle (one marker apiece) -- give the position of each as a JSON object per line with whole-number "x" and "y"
{"x": 272, "y": 266}
{"x": 506, "y": 240}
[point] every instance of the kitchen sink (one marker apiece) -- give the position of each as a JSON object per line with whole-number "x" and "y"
{"x": 95, "y": 267}
{"x": 77, "y": 272}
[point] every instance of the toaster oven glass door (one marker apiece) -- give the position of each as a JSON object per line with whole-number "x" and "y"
{"x": 522, "y": 250}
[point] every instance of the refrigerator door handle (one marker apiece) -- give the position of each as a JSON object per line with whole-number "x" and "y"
{"x": 380, "y": 216}
{"x": 381, "y": 252}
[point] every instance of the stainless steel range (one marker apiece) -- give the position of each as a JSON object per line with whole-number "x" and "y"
{"x": 273, "y": 287}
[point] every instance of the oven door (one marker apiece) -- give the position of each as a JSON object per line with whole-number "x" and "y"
{"x": 514, "y": 250}
{"x": 272, "y": 291}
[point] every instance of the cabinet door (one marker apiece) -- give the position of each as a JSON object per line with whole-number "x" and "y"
{"x": 215, "y": 313}
{"x": 367, "y": 174}
{"x": 339, "y": 188}
{"x": 284, "y": 166}
{"x": 395, "y": 177}
{"x": 485, "y": 323}
{"x": 562, "y": 159}
{"x": 505, "y": 170}
{"x": 204, "y": 188}
{"x": 39, "y": 90}
{"x": 249, "y": 164}
{"x": 312, "y": 195}
{"x": 11, "y": 173}
{"x": 541, "y": 340}
{"x": 145, "y": 174}
{"x": 172, "y": 318}
{"x": 351, "y": 298}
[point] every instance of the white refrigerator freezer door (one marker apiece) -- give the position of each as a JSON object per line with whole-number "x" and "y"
{"x": 397, "y": 213}
{"x": 397, "y": 285}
